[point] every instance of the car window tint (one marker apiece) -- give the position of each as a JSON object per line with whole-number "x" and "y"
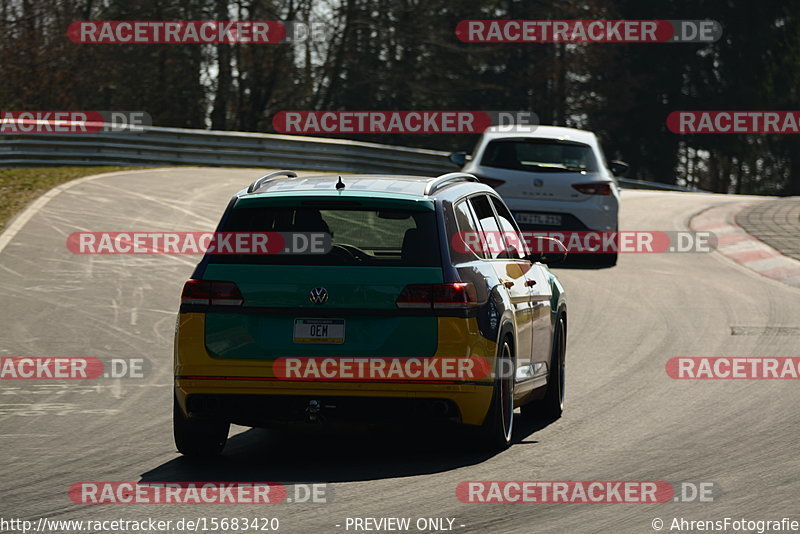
{"x": 469, "y": 232}
{"x": 489, "y": 226}
{"x": 360, "y": 237}
{"x": 514, "y": 243}
{"x": 539, "y": 155}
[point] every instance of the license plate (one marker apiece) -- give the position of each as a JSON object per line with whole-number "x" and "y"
{"x": 329, "y": 331}
{"x": 538, "y": 218}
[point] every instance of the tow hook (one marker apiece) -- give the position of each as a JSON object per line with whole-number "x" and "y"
{"x": 313, "y": 411}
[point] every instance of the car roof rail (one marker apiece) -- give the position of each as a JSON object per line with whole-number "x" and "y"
{"x": 256, "y": 185}
{"x": 448, "y": 179}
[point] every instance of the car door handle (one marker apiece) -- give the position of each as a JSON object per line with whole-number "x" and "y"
{"x": 508, "y": 283}
{"x": 530, "y": 283}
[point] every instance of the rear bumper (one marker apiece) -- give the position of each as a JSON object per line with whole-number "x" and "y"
{"x": 258, "y": 409}
{"x": 592, "y": 214}
{"x": 246, "y": 391}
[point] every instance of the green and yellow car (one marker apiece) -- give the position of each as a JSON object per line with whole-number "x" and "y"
{"x": 390, "y": 319}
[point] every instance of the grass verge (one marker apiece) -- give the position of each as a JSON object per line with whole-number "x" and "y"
{"x": 19, "y": 187}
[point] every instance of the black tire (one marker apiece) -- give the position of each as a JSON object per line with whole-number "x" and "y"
{"x": 551, "y": 406}
{"x": 495, "y": 433}
{"x": 197, "y": 439}
{"x": 606, "y": 259}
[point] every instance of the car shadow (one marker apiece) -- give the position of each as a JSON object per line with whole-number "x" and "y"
{"x": 579, "y": 265}
{"x": 322, "y": 455}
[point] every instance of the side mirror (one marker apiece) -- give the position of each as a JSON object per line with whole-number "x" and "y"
{"x": 548, "y": 250}
{"x": 458, "y": 158}
{"x": 618, "y": 168}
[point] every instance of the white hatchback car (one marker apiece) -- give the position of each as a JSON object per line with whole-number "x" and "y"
{"x": 552, "y": 178}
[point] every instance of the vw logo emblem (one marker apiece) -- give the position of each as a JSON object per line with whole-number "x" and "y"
{"x": 538, "y": 182}
{"x": 318, "y": 295}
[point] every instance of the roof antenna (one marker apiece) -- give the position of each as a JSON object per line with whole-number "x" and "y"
{"x": 340, "y": 184}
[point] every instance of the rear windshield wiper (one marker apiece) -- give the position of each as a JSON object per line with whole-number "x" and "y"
{"x": 555, "y": 167}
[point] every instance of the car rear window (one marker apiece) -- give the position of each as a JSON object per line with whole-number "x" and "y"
{"x": 359, "y": 236}
{"x": 539, "y": 155}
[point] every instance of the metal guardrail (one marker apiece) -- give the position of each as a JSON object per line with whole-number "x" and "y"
{"x": 628, "y": 183}
{"x": 157, "y": 146}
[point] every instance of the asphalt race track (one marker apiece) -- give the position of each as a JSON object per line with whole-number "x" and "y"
{"x": 625, "y": 418}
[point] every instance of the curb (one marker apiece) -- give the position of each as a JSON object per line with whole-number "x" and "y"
{"x": 743, "y": 248}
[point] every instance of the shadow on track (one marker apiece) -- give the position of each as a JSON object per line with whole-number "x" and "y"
{"x": 578, "y": 263}
{"x": 323, "y": 455}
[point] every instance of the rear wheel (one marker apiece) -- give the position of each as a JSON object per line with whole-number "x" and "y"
{"x": 197, "y": 439}
{"x": 551, "y": 406}
{"x": 606, "y": 259}
{"x": 495, "y": 433}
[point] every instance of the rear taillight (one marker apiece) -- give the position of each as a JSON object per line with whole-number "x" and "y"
{"x": 491, "y": 182}
{"x": 196, "y": 292}
{"x": 208, "y": 292}
{"x": 416, "y": 296}
{"x": 438, "y": 296}
{"x": 594, "y": 188}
